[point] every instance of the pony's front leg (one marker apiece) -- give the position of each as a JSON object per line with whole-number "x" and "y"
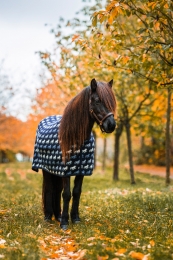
{"x": 57, "y": 190}
{"x": 66, "y": 199}
{"x": 76, "y": 198}
{"x": 47, "y": 193}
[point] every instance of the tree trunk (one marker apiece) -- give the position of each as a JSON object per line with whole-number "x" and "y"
{"x": 129, "y": 146}
{"x": 104, "y": 154}
{"x": 118, "y": 133}
{"x": 0, "y": 156}
{"x": 168, "y": 146}
{"x": 142, "y": 142}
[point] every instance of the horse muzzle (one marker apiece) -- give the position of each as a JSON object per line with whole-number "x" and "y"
{"x": 108, "y": 125}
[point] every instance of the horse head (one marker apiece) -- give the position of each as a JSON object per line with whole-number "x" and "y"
{"x": 102, "y": 105}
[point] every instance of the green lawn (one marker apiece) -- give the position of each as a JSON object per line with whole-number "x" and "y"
{"x": 119, "y": 220}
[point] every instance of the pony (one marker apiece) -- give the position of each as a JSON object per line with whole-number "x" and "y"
{"x": 64, "y": 147}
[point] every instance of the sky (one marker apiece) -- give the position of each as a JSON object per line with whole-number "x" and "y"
{"x": 23, "y": 33}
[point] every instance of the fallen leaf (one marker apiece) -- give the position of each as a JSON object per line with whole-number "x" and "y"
{"x": 152, "y": 243}
{"x": 90, "y": 238}
{"x": 136, "y": 255}
{"x": 91, "y": 244}
{"x": 2, "y": 241}
{"x": 3, "y": 211}
{"x": 81, "y": 254}
{"x": 102, "y": 257}
{"x": 54, "y": 255}
{"x": 120, "y": 252}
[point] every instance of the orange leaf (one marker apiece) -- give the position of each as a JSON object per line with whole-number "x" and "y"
{"x": 70, "y": 248}
{"x": 125, "y": 59}
{"x": 152, "y": 4}
{"x": 157, "y": 26}
{"x": 114, "y": 12}
{"x": 102, "y": 257}
{"x": 3, "y": 211}
{"x": 90, "y": 238}
{"x": 152, "y": 243}
{"x": 110, "y": 19}
{"x": 75, "y": 37}
{"x": 2, "y": 246}
{"x": 54, "y": 255}
{"x": 120, "y": 252}
{"x": 136, "y": 255}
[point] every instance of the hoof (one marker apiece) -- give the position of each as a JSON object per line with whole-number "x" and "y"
{"x": 48, "y": 219}
{"x": 64, "y": 226}
{"x": 58, "y": 219}
{"x": 76, "y": 220}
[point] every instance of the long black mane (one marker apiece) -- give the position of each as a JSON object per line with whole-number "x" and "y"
{"x": 75, "y": 121}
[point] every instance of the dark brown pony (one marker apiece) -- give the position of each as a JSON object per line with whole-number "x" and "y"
{"x": 95, "y": 103}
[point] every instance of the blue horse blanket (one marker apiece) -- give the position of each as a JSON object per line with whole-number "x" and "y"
{"x": 48, "y": 155}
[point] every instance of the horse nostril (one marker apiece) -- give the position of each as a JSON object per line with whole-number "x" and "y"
{"x": 111, "y": 126}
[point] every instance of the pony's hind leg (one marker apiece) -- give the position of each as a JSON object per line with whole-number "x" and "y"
{"x": 47, "y": 191}
{"x": 66, "y": 199}
{"x": 76, "y": 198}
{"x": 57, "y": 190}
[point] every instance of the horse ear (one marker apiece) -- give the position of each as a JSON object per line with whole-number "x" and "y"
{"x": 110, "y": 83}
{"x": 93, "y": 85}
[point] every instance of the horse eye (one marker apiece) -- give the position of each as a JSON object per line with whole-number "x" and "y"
{"x": 97, "y": 101}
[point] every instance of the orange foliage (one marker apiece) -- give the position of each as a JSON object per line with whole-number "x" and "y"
{"x": 18, "y": 136}
{"x": 10, "y": 132}
{"x": 50, "y": 100}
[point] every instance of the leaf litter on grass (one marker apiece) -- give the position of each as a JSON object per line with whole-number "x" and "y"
{"x": 117, "y": 222}
{"x": 136, "y": 221}
{"x": 60, "y": 247}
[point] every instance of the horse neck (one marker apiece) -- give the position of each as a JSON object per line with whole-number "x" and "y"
{"x": 89, "y": 127}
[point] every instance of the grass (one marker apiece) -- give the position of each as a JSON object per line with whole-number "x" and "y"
{"x": 119, "y": 220}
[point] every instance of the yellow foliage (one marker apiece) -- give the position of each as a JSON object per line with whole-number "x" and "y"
{"x": 114, "y": 12}
{"x": 125, "y": 59}
{"x": 75, "y": 36}
{"x": 157, "y": 26}
{"x": 110, "y": 19}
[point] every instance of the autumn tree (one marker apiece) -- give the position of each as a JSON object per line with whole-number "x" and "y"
{"x": 147, "y": 48}
{"x": 99, "y": 49}
{"x": 6, "y": 93}
{"x": 133, "y": 103}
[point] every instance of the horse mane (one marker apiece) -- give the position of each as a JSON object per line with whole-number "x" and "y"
{"x": 74, "y": 122}
{"x": 106, "y": 96}
{"x": 76, "y": 118}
